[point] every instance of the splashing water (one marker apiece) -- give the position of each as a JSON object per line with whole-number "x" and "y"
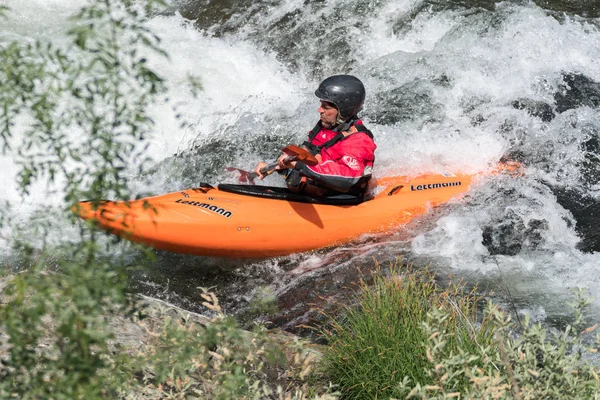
{"x": 450, "y": 87}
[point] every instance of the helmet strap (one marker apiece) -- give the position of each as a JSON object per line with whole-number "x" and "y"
{"x": 342, "y": 125}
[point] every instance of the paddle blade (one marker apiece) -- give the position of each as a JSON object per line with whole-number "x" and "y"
{"x": 245, "y": 176}
{"x": 300, "y": 154}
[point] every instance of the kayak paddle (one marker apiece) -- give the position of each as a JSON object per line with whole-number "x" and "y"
{"x": 293, "y": 152}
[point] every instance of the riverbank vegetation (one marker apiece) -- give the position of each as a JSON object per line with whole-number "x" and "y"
{"x": 377, "y": 348}
{"x": 71, "y": 328}
{"x": 69, "y": 335}
{"x": 406, "y": 337}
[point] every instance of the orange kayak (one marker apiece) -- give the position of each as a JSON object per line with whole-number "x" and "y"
{"x": 260, "y": 221}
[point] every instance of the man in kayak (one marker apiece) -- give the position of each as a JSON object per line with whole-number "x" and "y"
{"x": 340, "y": 142}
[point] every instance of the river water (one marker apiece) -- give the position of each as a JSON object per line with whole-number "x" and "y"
{"x": 452, "y": 85}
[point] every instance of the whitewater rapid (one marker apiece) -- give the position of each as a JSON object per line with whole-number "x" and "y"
{"x": 449, "y": 89}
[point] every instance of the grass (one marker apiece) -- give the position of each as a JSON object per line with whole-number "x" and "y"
{"x": 377, "y": 347}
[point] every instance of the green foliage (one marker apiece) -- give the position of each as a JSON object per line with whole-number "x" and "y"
{"x": 216, "y": 360}
{"x": 213, "y": 361}
{"x": 376, "y": 349}
{"x": 76, "y": 118}
{"x": 77, "y": 121}
{"x": 56, "y": 325}
{"x": 528, "y": 365}
{"x": 406, "y": 338}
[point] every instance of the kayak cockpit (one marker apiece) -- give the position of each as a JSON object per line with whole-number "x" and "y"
{"x": 280, "y": 193}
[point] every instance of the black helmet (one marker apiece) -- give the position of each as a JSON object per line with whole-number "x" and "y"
{"x": 346, "y": 92}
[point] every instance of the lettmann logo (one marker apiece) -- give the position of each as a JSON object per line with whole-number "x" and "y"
{"x": 435, "y": 185}
{"x": 220, "y": 211}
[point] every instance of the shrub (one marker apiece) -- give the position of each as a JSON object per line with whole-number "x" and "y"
{"x": 216, "y": 359}
{"x": 376, "y": 348}
{"x": 530, "y": 365}
{"x": 74, "y": 121}
{"x": 57, "y": 334}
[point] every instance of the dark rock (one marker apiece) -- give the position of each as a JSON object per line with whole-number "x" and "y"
{"x": 537, "y": 109}
{"x": 405, "y": 103}
{"x": 577, "y": 91}
{"x": 511, "y": 235}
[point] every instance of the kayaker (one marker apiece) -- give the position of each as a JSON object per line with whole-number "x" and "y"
{"x": 343, "y": 146}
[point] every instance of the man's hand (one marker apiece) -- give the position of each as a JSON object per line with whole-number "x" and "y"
{"x": 284, "y": 163}
{"x": 257, "y": 169}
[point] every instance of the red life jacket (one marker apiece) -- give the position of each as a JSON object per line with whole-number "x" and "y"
{"x": 346, "y": 160}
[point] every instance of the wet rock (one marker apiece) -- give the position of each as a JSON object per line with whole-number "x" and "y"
{"x": 512, "y": 234}
{"x": 578, "y": 90}
{"x": 305, "y": 303}
{"x": 534, "y": 108}
{"x": 584, "y": 207}
{"x": 209, "y": 13}
{"x": 405, "y": 103}
{"x": 586, "y": 211}
{"x": 584, "y": 8}
{"x": 591, "y": 164}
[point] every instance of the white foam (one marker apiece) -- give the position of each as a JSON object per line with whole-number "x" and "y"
{"x": 236, "y": 78}
{"x": 473, "y": 65}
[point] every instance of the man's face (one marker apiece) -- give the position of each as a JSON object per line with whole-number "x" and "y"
{"x": 328, "y": 114}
